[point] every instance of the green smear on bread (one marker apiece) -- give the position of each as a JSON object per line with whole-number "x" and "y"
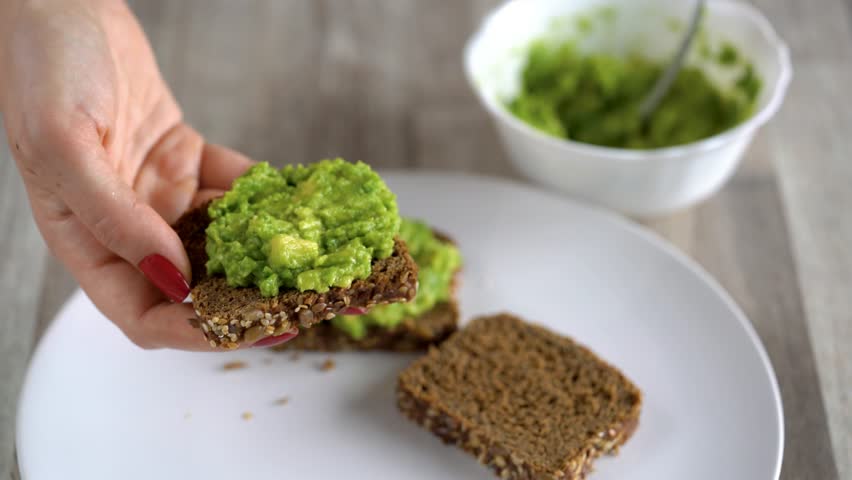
{"x": 437, "y": 260}
{"x": 304, "y": 227}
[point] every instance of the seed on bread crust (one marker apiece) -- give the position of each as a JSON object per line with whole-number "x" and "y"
{"x": 255, "y": 333}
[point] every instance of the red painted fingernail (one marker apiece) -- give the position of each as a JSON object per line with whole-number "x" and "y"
{"x": 270, "y": 341}
{"x": 165, "y": 276}
{"x": 353, "y": 311}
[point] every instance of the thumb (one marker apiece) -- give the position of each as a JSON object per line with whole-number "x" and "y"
{"x": 111, "y": 210}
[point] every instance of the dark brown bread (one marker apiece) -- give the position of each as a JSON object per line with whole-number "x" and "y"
{"x": 229, "y": 316}
{"x": 528, "y": 403}
{"x": 411, "y": 335}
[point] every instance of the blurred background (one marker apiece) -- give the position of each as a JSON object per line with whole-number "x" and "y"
{"x": 292, "y": 81}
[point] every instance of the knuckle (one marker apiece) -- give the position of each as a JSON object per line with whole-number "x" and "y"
{"x": 70, "y": 133}
{"x": 179, "y": 153}
{"x": 109, "y": 231}
{"x": 58, "y": 131}
{"x": 114, "y": 227}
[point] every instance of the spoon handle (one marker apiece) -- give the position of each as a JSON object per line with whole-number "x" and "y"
{"x": 661, "y": 87}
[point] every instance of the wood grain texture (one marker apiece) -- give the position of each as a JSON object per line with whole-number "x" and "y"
{"x": 753, "y": 243}
{"x": 811, "y": 151}
{"x": 381, "y": 80}
{"x": 815, "y": 174}
{"x": 739, "y": 236}
{"x": 815, "y": 30}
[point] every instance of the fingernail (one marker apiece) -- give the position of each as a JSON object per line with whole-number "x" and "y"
{"x": 165, "y": 276}
{"x": 271, "y": 341}
{"x": 353, "y": 311}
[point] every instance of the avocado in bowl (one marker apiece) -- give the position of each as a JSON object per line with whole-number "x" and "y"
{"x": 579, "y": 132}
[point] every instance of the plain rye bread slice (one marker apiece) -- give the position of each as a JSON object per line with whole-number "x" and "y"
{"x": 232, "y": 315}
{"x": 526, "y": 402}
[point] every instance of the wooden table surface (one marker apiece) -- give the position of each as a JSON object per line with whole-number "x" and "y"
{"x": 380, "y": 80}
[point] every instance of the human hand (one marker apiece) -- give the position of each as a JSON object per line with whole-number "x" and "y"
{"x": 107, "y": 161}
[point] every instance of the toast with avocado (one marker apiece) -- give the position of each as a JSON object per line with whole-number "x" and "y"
{"x": 429, "y": 319}
{"x": 289, "y": 248}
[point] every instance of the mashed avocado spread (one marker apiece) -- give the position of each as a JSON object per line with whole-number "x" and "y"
{"x": 305, "y": 227}
{"x": 438, "y": 261}
{"x": 595, "y": 98}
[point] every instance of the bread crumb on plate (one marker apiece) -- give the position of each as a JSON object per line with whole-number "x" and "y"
{"x": 235, "y": 365}
{"x": 327, "y": 365}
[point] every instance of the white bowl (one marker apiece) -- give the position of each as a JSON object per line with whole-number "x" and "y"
{"x": 637, "y": 182}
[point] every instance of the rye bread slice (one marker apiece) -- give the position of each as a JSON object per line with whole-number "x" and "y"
{"x": 526, "y": 402}
{"x": 413, "y": 334}
{"x": 229, "y": 316}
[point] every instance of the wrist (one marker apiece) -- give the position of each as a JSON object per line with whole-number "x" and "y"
{"x": 8, "y": 12}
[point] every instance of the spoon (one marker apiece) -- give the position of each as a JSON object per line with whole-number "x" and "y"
{"x": 661, "y": 87}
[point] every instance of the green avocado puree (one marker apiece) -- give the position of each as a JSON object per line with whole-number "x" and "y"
{"x": 594, "y": 98}
{"x": 438, "y": 261}
{"x": 305, "y": 227}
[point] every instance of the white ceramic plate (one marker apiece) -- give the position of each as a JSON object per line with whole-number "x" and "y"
{"x": 95, "y": 407}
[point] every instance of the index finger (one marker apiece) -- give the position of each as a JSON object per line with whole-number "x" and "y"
{"x": 220, "y": 166}
{"x": 118, "y": 289}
